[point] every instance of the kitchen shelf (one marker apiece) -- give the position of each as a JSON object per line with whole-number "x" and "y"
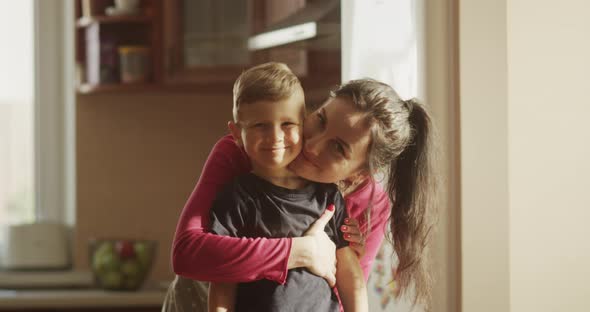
{"x": 117, "y": 87}
{"x": 202, "y": 88}
{"x": 87, "y": 21}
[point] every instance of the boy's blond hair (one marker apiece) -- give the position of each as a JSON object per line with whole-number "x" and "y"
{"x": 269, "y": 81}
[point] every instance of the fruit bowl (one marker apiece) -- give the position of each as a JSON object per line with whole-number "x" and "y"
{"x": 121, "y": 264}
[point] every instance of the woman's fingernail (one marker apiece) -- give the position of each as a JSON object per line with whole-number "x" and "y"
{"x": 331, "y": 207}
{"x": 344, "y": 228}
{"x": 347, "y": 235}
{"x": 347, "y": 220}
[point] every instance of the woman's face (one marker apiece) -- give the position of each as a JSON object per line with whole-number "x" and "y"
{"x": 336, "y": 139}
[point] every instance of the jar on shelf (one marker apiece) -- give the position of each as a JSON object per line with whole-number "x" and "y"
{"x": 134, "y": 63}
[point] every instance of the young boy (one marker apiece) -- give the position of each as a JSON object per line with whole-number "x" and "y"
{"x": 268, "y": 113}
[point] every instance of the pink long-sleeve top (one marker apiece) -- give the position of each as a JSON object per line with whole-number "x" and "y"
{"x": 199, "y": 255}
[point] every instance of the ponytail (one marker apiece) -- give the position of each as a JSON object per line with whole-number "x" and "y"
{"x": 411, "y": 187}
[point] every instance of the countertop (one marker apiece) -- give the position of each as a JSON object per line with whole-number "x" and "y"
{"x": 79, "y": 298}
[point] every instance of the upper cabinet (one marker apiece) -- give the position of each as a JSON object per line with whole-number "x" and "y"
{"x": 205, "y": 41}
{"x": 203, "y": 45}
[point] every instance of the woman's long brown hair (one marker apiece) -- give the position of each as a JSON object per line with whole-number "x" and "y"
{"x": 402, "y": 148}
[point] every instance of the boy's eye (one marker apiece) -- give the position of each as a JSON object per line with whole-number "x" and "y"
{"x": 288, "y": 123}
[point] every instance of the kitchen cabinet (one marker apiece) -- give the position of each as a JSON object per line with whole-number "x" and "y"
{"x": 104, "y": 32}
{"x": 203, "y": 45}
{"x": 207, "y": 43}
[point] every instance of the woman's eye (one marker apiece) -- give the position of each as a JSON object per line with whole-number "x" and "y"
{"x": 287, "y": 124}
{"x": 339, "y": 148}
{"x": 321, "y": 118}
{"x": 258, "y": 125}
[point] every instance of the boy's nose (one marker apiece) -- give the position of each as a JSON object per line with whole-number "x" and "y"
{"x": 277, "y": 134}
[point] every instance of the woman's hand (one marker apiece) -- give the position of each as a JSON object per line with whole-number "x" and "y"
{"x": 323, "y": 262}
{"x": 354, "y": 236}
{"x": 315, "y": 250}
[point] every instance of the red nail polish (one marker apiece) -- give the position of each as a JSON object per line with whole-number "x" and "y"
{"x": 344, "y": 228}
{"x": 331, "y": 207}
{"x": 347, "y": 221}
{"x": 347, "y": 235}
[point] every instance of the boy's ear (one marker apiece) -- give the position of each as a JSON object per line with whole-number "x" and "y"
{"x": 235, "y": 131}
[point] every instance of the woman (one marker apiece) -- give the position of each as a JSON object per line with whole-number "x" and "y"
{"x": 362, "y": 130}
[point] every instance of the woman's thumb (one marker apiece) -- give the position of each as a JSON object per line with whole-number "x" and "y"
{"x": 321, "y": 223}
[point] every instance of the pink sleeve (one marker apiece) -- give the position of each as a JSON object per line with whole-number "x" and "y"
{"x": 379, "y": 219}
{"x": 357, "y": 204}
{"x": 199, "y": 255}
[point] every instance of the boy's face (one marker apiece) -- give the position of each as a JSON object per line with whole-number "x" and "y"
{"x": 271, "y": 132}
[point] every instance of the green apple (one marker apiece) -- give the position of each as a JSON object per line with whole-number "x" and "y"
{"x": 112, "y": 280}
{"x": 104, "y": 248}
{"x": 104, "y": 262}
{"x": 143, "y": 252}
{"x": 131, "y": 268}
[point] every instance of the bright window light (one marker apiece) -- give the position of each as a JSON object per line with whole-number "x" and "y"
{"x": 17, "y": 167}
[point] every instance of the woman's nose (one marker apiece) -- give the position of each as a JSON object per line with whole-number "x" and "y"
{"x": 313, "y": 145}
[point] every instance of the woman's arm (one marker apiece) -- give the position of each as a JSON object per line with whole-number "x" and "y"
{"x": 199, "y": 255}
{"x": 380, "y": 209}
{"x": 379, "y": 222}
{"x": 351, "y": 283}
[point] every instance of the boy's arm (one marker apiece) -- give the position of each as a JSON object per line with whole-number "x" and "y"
{"x": 350, "y": 281}
{"x": 222, "y": 297}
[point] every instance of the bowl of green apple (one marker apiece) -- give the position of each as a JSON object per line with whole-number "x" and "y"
{"x": 121, "y": 264}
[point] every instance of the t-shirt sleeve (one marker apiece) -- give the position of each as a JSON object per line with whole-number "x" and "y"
{"x": 338, "y": 219}
{"x": 227, "y": 217}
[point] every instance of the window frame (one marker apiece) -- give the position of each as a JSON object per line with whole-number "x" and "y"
{"x": 54, "y": 109}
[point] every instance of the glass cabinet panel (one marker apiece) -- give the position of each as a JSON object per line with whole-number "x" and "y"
{"x": 215, "y": 32}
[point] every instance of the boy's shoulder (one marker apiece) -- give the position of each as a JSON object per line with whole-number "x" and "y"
{"x": 242, "y": 184}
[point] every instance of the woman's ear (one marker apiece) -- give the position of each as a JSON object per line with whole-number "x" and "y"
{"x": 359, "y": 176}
{"x": 236, "y": 132}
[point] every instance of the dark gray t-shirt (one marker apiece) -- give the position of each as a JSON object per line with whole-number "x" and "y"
{"x": 253, "y": 207}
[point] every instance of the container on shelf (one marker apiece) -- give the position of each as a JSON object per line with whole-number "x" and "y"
{"x": 101, "y": 55}
{"x": 134, "y": 63}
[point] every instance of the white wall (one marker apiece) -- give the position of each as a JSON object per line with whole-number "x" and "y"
{"x": 439, "y": 92}
{"x": 549, "y": 154}
{"x": 524, "y": 79}
{"x": 484, "y": 155}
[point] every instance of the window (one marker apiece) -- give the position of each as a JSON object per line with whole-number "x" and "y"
{"x": 37, "y": 157}
{"x": 17, "y": 148}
